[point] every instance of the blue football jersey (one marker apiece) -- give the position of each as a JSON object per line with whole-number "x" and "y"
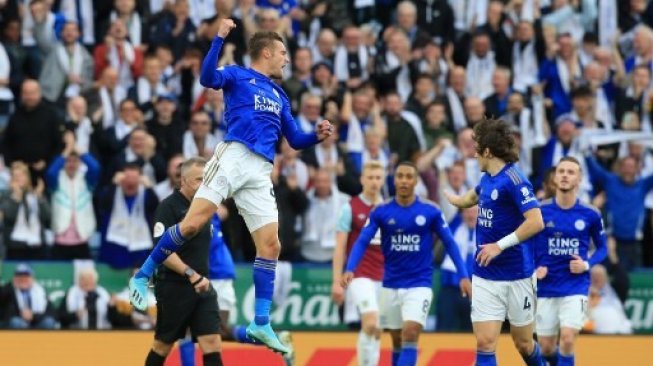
{"x": 257, "y": 110}
{"x": 221, "y": 263}
{"x": 567, "y": 232}
{"x": 502, "y": 201}
{"x": 407, "y": 238}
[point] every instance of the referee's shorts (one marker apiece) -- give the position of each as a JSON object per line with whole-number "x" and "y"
{"x": 180, "y": 308}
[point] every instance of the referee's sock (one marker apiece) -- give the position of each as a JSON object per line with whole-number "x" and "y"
{"x": 154, "y": 359}
{"x": 212, "y": 359}
{"x": 240, "y": 335}
{"x": 187, "y": 352}
{"x": 535, "y": 358}
{"x": 565, "y": 360}
{"x": 170, "y": 241}
{"x": 264, "y": 274}
{"x": 408, "y": 356}
{"x": 485, "y": 359}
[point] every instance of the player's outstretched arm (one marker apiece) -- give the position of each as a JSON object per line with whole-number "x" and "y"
{"x": 210, "y": 77}
{"x": 338, "y": 264}
{"x": 469, "y": 199}
{"x": 358, "y": 250}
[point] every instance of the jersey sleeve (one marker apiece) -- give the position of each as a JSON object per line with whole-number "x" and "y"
{"x": 296, "y": 138}
{"x": 212, "y": 77}
{"x": 344, "y": 219}
{"x": 440, "y": 226}
{"x": 521, "y": 193}
{"x": 364, "y": 239}
{"x": 599, "y": 238}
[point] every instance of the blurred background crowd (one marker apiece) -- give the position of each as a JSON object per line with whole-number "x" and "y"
{"x": 100, "y": 102}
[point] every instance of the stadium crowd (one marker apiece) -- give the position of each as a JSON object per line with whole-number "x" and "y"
{"x": 100, "y": 102}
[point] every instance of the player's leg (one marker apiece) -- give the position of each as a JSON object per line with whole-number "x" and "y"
{"x": 521, "y": 302}
{"x": 572, "y": 317}
{"x": 415, "y": 306}
{"x": 363, "y": 292}
{"x": 390, "y": 319}
{"x": 211, "y": 347}
{"x": 187, "y": 351}
{"x": 488, "y": 313}
{"x": 205, "y": 326}
{"x": 158, "y": 353}
{"x": 216, "y": 186}
{"x": 547, "y": 326}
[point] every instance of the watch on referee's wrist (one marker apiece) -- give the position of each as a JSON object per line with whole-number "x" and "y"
{"x": 189, "y": 272}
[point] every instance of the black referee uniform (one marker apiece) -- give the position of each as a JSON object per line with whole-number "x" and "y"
{"x": 178, "y": 306}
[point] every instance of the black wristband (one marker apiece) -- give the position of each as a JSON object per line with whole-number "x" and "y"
{"x": 198, "y": 281}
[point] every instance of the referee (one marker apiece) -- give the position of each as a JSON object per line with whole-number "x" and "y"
{"x": 185, "y": 297}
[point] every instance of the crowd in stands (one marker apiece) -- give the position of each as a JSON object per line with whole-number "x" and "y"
{"x": 100, "y": 101}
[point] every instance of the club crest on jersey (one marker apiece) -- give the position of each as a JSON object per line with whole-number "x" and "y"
{"x": 391, "y": 222}
{"x": 524, "y": 191}
{"x": 494, "y": 195}
{"x": 420, "y": 220}
{"x": 550, "y": 224}
{"x": 252, "y": 81}
{"x": 579, "y": 224}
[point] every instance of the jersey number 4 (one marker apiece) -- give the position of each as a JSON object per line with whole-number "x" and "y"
{"x": 527, "y": 304}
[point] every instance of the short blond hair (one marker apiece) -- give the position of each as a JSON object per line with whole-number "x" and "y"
{"x": 372, "y": 165}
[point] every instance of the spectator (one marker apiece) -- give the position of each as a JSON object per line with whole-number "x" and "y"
{"x": 67, "y": 69}
{"x": 82, "y": 13}
{"x": 33, "y": 134}
{"x": 39, "y": 32}
{"x": 625, "y": 194}
{"x": 528, "y": 51}
{"x": 295, "y": 85}
{"x": 125, "y": 11}
{"x": 635, "y": 97}
{"x": 119, "y": 52}
{"x": 393, "y": 66}
{"x": 165, "y": 188}
{"x": 309, "y": 116}
{"x": 424, "y": 93}
{"x": 166, "y": 127}
{"x": 125, "y": 211}
{"x": 474, "y": 110}
{"x": 403, "y": 139}
{"x": 21, "y": 63}
{"x": 26, "y": 304}
{"x": 318, "y": 239}
{"x": 560, "y": 74}
{"x": 290, "y": 178}
{"x": 437, "y": 18}
{"x": 87, "y": 305}
{"x": 455, "y": 97}
{"x": 324, "y": 49}
{"x": 643, "y": 47}
{"x": 198, "y": 140}
{"x": 26, "y": 216}
{"x": 71, "y": 185}
{"x": 360, "y": 111}
{"x": 116, "y": 137}
{"x": 480, "y": 67}
{"x": 149, "y": 86}
{"x": 6, "y": 96}
{"x": 350, "y": 63}
{"x": 497, "y": 103}
{"x": 175, "y": 29}
{"x": 452, "y": 308}
{"x": 141, "y": 150}
{"x": 407, "y": 22}
{"x": 104, "y": 101}
{"x": 606, "y": 312}
{"x": 78, "y": 123}
{"x": 373, "y": 151}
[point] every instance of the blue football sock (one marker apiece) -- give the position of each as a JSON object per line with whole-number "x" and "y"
{"x": 395, "y": 357}
{"x": 187, "y": 352}
{"x": 240, "y": 335}
{"x": 485, "y": 359}
{"x": 565, "y": 360}
{"x": 264, "y": 273}
{"x": 535, "y": 358}
{"x": 170, "y": 241}
{"x": 552, "y": 359}
{"x": 408, "y": 356}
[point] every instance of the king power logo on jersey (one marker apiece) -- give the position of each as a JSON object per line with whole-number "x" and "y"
{"x": 559, "y": 245}
{"x": 265, "y": 104}
{"x": 405, "y": 243}
{"x": 485, "y": 216}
